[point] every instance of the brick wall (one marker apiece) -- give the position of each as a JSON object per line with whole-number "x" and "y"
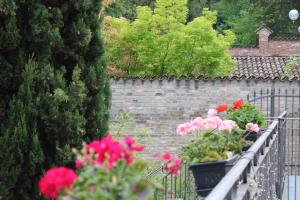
{"x": 160, "y": 105}
{"x": 268, "y": 46}
{"x": 284, "y": 48}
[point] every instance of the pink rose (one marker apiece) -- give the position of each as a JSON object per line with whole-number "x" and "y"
{"x": 252, "y": 127}
{"x": 212, "y": 122}
{"x": 183, "y": 129}
{"x": 228, "y": 125}
{"x": 212, "y": 112}
{"x": 197, "y": 124}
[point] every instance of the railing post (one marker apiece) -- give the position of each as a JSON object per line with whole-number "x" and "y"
{"x": 281, "y": 155}
{"x": 272, "y": 103}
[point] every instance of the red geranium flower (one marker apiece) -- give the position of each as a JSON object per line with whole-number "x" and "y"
{"x": 108, "y": 151}
{"x": 55, "y": 180}
{"x": 130, "y": 147}
{"x": 238, "y": 104}
{"x": 171, "y": 164}
{"x": 221, "y": 108}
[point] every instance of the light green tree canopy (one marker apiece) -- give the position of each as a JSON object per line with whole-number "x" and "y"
{"x": 160, "y": 42}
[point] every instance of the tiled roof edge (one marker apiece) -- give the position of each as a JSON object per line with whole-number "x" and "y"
{"x": 202, "y": 78}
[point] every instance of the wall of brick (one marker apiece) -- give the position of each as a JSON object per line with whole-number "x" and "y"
{"x": 284, "y": 48}
{"x": 273, "y": 48}
{"x": 160, "y": 105}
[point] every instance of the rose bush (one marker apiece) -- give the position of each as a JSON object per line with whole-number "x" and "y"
{"x": 106, "y": 169}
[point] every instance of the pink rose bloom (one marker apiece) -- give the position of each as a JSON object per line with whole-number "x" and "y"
{"x": 212, "y": 122}
{"x": 228, "y": 125}
{"x": 197, "y": 124}
{"x": 183, "y": 129}
{"x": 212, "y": 112}
{"x": 252, "y": 127}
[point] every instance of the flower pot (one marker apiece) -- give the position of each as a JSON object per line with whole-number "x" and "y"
{"x": 208, "y": 175}
{"x": 251, "y": 137}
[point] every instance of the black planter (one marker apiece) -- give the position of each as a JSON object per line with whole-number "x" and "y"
{"x": 251, "y": 137}
{"x": 208, "y": 175}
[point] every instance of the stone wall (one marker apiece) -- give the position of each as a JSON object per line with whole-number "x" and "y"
{"x": 160, "y": 105}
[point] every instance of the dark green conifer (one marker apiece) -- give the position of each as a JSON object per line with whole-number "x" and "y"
{"x": 57, "y": 99}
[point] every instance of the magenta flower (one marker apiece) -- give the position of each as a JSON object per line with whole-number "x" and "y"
{"x": 108, "y": 151}
{"x": 55, "y": 180}
{"x": 171, "y": 164}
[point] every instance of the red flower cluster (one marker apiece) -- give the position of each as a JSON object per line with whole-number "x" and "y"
{"x": 172, "y": 164}
{"x": 109, "y": 151}
{"x": 55, "y": 180}
{"x": 238, "y": 104}
{"x": 221, "y": 108}
{"x": 130, "y": 147}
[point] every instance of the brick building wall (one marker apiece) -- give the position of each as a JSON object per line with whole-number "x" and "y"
{"x": 268, "y": 46}
{"x": 160, "y": 105}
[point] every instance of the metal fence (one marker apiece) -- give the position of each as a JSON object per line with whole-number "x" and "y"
{"x": 270, "y": 169}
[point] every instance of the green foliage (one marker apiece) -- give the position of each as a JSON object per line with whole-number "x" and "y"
{"x": 248, "y": 113}
{"x": 212, "y": 145}
{"x": 126, "y": 8}
{"x": 52, "y": 103}
{"x": 120, "y": 182}
{"x": 123, "y": 124}
{"x": 159, "y": 42}
{"x": 290, "y": 65}
{"x": 243, "y": 17}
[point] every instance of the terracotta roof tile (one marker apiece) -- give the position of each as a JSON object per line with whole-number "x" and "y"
{"x": 247, "y": 67}
{"x": 266, "y": 67}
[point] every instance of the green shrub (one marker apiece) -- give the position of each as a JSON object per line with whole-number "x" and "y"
{"x": 213, "y": 145}
{"x": 248, "y": 113}
{"x": 160, "y": 42}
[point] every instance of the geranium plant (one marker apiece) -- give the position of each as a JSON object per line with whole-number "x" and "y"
{"x": 246, "y": 115}
{"x": 215, "y": 139}
{"x": 106, "y": 169}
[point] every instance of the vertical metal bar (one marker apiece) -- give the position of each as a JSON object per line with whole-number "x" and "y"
{"x": 185, "y": 183}
{"x": 261, "y": 99}
{"x": 298, "y": 110}
{"x": 272, "y": 102}
{"x": 268, "y": 94}
{"x": 171, "y": 185}
{"x": 279, "y": 111}
{"x": 180, "y": 182}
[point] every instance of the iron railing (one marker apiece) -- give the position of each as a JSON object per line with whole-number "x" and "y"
{"x": 270, "y": 169}
{"x": 258, "y": 174}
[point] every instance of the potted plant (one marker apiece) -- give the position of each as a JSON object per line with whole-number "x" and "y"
{"x": 106, "y": 169}
{"x": 248, "y": 117}
{"x": 213, "y": 150}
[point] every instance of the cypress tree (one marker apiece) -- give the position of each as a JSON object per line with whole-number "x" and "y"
{"x": 54, "y": 101}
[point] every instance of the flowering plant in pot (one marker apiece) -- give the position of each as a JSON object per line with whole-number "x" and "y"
{"x": 248, "y": 117}
{"x": 213, "y": 150}
{"x": 106, "y": 169}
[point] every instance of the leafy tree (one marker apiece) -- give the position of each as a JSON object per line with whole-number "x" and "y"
{"x": 243, "y": 17}
{"x": 56, "y": 101}
{"x": 159, "y": 42}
